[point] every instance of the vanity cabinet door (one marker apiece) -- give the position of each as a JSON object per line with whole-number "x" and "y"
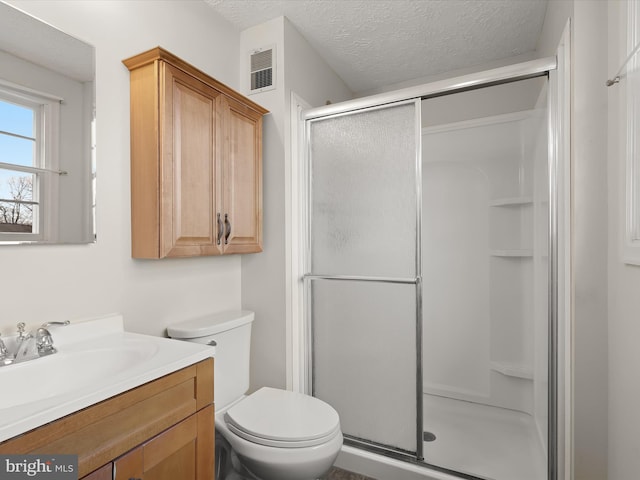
{"x": 241, "y": 177}
{"x": 185, "y": 452}
{"x": 104, "y": 473}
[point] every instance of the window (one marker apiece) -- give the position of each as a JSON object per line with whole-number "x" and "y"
{"x": 28, "y": 162}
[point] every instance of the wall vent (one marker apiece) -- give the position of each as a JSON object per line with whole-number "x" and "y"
{"x": 262, "y": 66}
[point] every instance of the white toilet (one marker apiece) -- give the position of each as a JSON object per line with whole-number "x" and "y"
{"x": 275, "y": 434}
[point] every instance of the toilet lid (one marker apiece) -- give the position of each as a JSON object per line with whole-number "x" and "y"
{"x": 282, "y": 418}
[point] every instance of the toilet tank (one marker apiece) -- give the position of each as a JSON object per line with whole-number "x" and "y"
{"x": 230, "y": 334}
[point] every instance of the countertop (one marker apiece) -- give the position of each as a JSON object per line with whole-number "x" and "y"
{"x": 97, "y": 359}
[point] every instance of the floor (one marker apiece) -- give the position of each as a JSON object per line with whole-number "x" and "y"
{"x": 484, "y": 441}
{"x": 340, "y": 474}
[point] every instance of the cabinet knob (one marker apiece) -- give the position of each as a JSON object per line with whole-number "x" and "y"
{"x": 227, "y": 224}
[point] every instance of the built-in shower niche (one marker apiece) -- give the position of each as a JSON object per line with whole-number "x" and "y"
{"x": 484, "y": 268}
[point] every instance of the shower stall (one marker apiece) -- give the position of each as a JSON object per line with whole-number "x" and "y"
{"x": 430, "y": 273}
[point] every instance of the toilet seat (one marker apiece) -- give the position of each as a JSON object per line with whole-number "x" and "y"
{"x": 284, "y": 419}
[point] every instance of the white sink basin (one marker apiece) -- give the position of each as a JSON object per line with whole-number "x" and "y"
{"x": 70, "y": 370}
{"x": 96, "y": 360}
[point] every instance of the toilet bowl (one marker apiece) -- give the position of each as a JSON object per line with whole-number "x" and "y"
{"x": 274, "y": 434}
{"x": 282, "y": 435}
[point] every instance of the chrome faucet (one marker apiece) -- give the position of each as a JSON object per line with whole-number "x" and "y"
{"x": 29, "y": 346}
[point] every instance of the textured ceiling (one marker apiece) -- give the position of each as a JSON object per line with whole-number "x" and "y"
{"x": 374, "y": 43}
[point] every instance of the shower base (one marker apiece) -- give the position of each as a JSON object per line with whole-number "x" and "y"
{"x": 482, "y": 440}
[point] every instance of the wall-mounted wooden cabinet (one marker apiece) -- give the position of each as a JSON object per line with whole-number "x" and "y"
{"x": 196, "y": 162}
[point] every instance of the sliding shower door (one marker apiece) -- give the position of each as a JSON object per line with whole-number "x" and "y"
{"x": 489, "y": 207}
{"x": 363, "y": 273}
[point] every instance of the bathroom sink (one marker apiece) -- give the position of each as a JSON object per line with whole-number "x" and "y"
{"x": 95, "y": 360}
{"x": 70, "y": 370}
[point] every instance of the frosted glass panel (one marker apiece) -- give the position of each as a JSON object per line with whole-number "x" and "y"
{"x": 365, "y": 358}
{"x": 363, "y": 193}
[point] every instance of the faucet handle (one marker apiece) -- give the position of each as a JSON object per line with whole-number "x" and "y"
{"x": 21, "y": 326}
{"x": 44, "y": 342}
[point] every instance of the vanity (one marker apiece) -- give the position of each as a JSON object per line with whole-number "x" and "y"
{"x": 147, "y": 414}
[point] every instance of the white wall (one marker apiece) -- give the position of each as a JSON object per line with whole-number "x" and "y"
{"x": 590, "y": 239}
{"x": 299, "y": 69}
{"x": 307, "y": 74}
{"x": 624, "y": 280}
{"x": 589, "y": 117}
{"x": 43, "y": 283}
{"x": 555, "y": 20}
{"x": 589, "y": 174}
{"x": 263, "y": 274}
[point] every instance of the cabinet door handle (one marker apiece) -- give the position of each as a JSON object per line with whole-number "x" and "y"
{"x": 220, "y": 230}
{"x": 227, "y": 224}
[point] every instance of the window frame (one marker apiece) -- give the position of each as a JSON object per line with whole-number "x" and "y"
{"x": 46, "y": 110}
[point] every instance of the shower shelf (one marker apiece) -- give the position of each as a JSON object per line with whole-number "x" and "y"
{"x": 511, "y": 202}
{"x": 512, "y": 370}
{"x": 515, "y": 253}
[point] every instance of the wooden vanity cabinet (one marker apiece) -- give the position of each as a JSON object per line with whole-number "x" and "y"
{"x": 184, "y": 451}
{"x": 162, "y": 430}
{"x": 196, "y": 162}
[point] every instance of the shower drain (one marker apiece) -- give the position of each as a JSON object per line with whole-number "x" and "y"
{"x": 428, "y": 437}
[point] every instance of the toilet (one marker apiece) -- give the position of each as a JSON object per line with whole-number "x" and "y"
{"x": 272, "y": 434}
